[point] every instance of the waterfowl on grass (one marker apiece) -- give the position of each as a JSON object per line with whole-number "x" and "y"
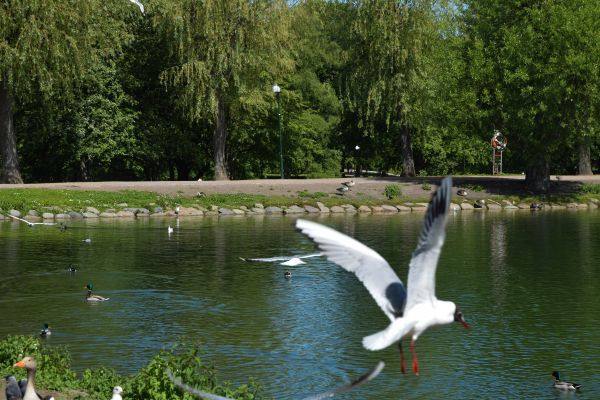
{"x": 28, "y": 392}
{"x": 93, "y": 297}
{"x": 343, "y": 189}
{"x": 349, "y": 184}
{"x": 564, "y": 385}
{"x": 45, "y": 331}
{"x": 116, "y": 393}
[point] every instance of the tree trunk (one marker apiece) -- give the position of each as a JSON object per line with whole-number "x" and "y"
{"x": 408, "y": 161}
{"x": 537, "y": 177}
{"x": 8, "y": 139}
{"x": 585, "y": 159}
{"x": 220, "y": 139}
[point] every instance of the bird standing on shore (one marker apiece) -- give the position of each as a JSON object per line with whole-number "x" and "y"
{"x": 343, "y": 189}
{"x": 349, "y": 184}
{"x": 28, "y": 392}
{"x": 411, "y": 310}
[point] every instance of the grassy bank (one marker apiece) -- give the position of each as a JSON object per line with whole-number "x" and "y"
{"x": 55, "y": 376}
{"x": 76, "y": 200}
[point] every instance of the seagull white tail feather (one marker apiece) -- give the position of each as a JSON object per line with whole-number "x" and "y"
{"x": 394, "y": 332}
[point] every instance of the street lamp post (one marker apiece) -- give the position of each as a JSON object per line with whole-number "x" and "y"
{"x": 277, "y": 91}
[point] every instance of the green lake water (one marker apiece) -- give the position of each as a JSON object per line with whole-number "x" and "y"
{"x": 528, "y": 283}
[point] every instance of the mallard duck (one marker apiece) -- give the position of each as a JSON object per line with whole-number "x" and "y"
{"x": 93, "y": 297}
{"x": 287, "y": 275}
{"x": 564, "y": 385}
{"x": 45, "y": 331}
{"x": 117, "y": 392}
{"x": 28, "y": 392}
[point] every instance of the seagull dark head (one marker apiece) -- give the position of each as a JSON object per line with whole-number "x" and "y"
{"x": 459, "y": 317}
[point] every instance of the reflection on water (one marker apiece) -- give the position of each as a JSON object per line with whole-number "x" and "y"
{"x": 527, "y": 282}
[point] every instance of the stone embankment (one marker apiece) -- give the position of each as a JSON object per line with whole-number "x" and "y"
{"x": 122, "y": 210}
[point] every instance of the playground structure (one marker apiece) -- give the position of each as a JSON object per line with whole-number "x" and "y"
{"x": 498, "y": 143}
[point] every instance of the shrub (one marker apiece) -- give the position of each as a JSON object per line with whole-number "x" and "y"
{"x": 392, "y": 191}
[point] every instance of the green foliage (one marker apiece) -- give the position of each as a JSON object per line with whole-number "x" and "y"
{"x": 426, "y": 186}
{"x": 312, "y": 195}
{"x": 152, "y": 382}
{"x": 588, "y": 188}
{"x": 98, "y": 382}
{"x": 392, "y": 191}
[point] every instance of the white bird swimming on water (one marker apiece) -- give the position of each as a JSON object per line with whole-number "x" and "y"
{"x": 169, "y": 230}
{"x": 413, "y": 309}
{"x": 140, "y": 5}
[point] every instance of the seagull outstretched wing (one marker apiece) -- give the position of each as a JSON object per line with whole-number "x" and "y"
{"x": 140, "y": 5}
{"x": 368, "y": 266}
{"x": 421, "y": 274}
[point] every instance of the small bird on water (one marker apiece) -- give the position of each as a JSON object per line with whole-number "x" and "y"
{"x": 564, "y": 385}
{"x": 45, "y": 331}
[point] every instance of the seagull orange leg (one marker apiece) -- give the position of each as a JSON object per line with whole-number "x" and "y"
{"x": 415, "y": 361}
{"x": 402, "y": 361}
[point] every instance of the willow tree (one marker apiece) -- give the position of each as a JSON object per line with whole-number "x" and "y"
{"x": 228, "y": 55}
{"x": 535, "y": 66}
{"x": 45, "y": 47}
{"x": 389, "y": 38}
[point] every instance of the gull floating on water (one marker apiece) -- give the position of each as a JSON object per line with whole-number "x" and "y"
{"x": 328, "y": 394}
{"x": 169, "y": 230}
{"x": 140, "y": 5}
{"x": 413, "y": 309}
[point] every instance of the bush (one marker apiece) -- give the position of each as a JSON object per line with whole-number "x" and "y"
{"x": 392, "y": 191}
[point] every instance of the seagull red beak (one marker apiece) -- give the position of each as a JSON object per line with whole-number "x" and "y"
{"x": 464, "y": 323}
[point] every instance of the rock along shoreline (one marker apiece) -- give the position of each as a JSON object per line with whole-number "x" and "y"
{"x": 53, "y": 214}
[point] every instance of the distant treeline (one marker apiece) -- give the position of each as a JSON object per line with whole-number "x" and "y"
{"x": 96, "y": 90}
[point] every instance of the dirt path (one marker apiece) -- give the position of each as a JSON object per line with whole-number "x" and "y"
{"x": 372, "y": 187}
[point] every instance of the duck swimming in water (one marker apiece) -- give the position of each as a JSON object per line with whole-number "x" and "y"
{"x": 45, "y": 330}
{"x": 564, "y": 385}
{"x": 93, "y": 297}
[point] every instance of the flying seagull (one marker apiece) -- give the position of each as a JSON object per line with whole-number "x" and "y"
{"x": 330, "y": 393}
{"x": 413, "y": 309}
{"x": 140, "y": 5}
{"x": 29, "y": 223}
{"x": 287, "y": 260}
